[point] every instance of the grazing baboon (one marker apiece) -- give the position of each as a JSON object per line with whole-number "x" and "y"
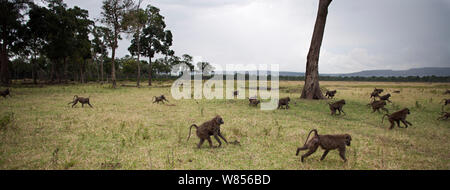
{"x": 337, "y": 106}
{"x": 235, "y": 93}
{"x": 397, "y": 117}
{"x": 386, "y": 97}
{"x": 326, "y": 142}
{"x": 253, "y": 102}
{"x": 330, "y": 94}
{"x": 207, "y": 129}
{"x": 377, "y": 105}
{"x": 5, "y": 93}
{"x": 82, "y": 100}
{"x": 284, "y": 102}
{"x": 445, "y": 116}
{"x": 396, "y": 91}
{"x": 161, "y": 98}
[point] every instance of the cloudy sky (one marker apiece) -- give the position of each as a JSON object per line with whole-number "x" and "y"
{"x": 359, "y": 34}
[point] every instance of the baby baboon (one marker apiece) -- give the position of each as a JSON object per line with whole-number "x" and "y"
{"x": 397, "y": 117}
{"x": 5, "y": 93}
{"x": 326, "y": 142}
{"x": 207, "y": 129}
{"x": 330, "y": 94}
{"x": 235, "y": 93}
{"x": 445, "y": 116}
{"x": 337, "y": 106}
{"x": 386, "y": 97}
{"x": 253, "y": 102}
{"x": 376, "y": 93}
{"x": 82, "y": 100}
{"x": 284, "y": 102}
{"x": 379, "y": 90}
{"x": 161, "y": 98}
{"x": 377, "y": 105}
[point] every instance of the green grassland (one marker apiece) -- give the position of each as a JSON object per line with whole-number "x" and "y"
{"x": 125, "y": 130}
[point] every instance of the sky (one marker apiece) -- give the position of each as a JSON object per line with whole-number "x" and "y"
{"x": 359, "y": 34}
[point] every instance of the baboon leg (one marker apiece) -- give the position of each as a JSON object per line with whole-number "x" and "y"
{"x": 220, "y": 135}
{"x": 392, "y": 124}
{"x": 386, "y": 110}
{"x": 312, "y": 149}
{"x": 324, "y": 155}
{"x": 74, "y": 103}
{"x": 82, "y": 105}
{"x": 301, "y": 148}
{"x": 218, "y": 140}
{"x": 200, "y": 143}
{"x": 287, "y": 106}
{"x": 410, "y": 123}
{"x": 210, "y": 142}
{"x": 89, "y": 104}
{"x": 343, "y": 111}
{"x": 342, "y": 153}
{"x": 375, "y": 110}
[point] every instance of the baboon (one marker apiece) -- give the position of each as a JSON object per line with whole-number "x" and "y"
{"x": 326, "y": 142}
{"x": 445, "y": 116}
{"x": 82, "y": 100}
{"x": 397, "y": 117}
{"x": 5, "y": 93}
{"x": 207, "y": 129}
{"x": 396, "y": 91}
{"x": 284, "y": 102}
{"x": 337, "y": 106}
{"x": 447, "y": 91}
{"x": 376, "y": 93}
{"x": 377, "y": 105}
{"x": 330, "y": 94}
{"x": 386, "y": 97}
{"x": 446, "y": 102}
{"x": 235, "y": 93}
{"x": 254, "y": 102}
{"x": 161, "y": 98}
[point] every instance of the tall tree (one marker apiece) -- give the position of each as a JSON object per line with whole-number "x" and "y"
{"x": 311, "y": 89}
{"x": 10, "y": 33}
{"x": 113, "y": 15}
{"x": 99, "y": 47}
{"x": 36, "y": 35}
{"x": 136, "y": 20}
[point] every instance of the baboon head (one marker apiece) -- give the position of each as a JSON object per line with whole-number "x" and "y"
{"x": 407, "y": 111}
{"x": 219, "y": 120}
{"x": 348, "y": 139}
{"x": 288, "y": 99}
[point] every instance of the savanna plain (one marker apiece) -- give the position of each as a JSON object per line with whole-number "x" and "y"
{"x": 125, "y": 130}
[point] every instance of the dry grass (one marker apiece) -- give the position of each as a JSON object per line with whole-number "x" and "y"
{"x": 125, "y": 130}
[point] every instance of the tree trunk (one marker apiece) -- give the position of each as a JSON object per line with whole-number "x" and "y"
{"x": 149, "y": 71}
{"x": 138, "y": 60}
{"x": 113, "y": 67}
{"x": 311, "y": 90}
{"x": 4, "y": 71}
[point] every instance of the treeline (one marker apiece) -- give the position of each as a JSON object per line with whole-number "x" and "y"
{"x": 56, "y": 44}
{"x": 374, "y": 79}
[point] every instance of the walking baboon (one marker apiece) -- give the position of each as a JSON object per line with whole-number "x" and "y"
{"x": 445, "y": 116}
{"x": 397, "y": 117}
{"x": 284, "y": 102}
{"x": 5, "y": 93}
{"x": 386, "y": 97}
{"x": 326, "y": 142}
{"x": 253, "y": 102}
{"x": 337, "y": 106}
{"x": 205, "y": 130}
{"x": 377, "y": 105}
{"x": 82, "y": 100}
{"x": 330, "y": 94}
{"x": 161, "y": 98}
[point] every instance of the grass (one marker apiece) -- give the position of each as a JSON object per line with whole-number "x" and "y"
{"x": 124, "y": 130}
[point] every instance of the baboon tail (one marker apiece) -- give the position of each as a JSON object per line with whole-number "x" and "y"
{"x": 315, "y": 131}
{"x": 193, "y": 125}
{"x": 382, "y": 119}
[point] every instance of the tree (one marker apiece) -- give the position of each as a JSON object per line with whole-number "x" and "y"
{"x": 136, "y": 20}
{"x": 11, "y": 31}
{"x": 99, "y": 47}
{"x": 311, "y": 89}
{"x": 81, "y": 35}
{"x": 205, "y": 68}
{"x": 113, "y": 15}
